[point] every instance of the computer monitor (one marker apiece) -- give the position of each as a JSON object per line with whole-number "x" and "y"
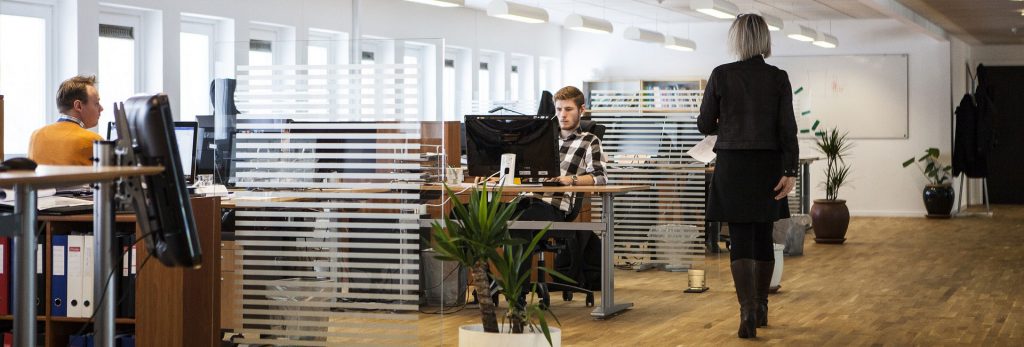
{"x": 163, "y": 209}
{"x": 534, "y": 141}
{"x": 333, "y": 157}
{"x": 185, "y": 134}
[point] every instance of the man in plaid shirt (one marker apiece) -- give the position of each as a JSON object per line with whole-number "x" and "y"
{"x": 582, "y": 160}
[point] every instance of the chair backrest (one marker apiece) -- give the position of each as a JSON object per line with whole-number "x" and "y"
{"x": 577, "y": 202}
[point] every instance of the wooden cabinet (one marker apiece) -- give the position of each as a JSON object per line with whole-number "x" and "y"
{"x": 173, "y": 306}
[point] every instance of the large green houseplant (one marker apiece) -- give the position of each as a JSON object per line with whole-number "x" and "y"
{"x": 830, "y": 215}
{"x": 938, "y": 194}
{"x": 475, "y": 236}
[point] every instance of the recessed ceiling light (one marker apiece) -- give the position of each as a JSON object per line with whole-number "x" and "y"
{"x": 588, "y": 24}
{"x": 716, "y": 8}
{"x": 441, "y": 3}
{"x": 517, "y": 12}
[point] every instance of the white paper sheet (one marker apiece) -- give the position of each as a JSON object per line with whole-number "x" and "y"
{"x": 8, "y": 194}
{"x": 704, "y": 150}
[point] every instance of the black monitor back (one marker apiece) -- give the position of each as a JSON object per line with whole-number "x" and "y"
{"x": 172, "y": 236}
{"x": 534, "y": 141}
{"x": 367, "y": 150}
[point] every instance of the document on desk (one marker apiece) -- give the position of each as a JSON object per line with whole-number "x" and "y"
{"x": 7, "y": 195}
{"x": 704, "y": 150}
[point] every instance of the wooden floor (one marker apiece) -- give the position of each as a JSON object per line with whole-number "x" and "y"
{"x": 896, "y": 281}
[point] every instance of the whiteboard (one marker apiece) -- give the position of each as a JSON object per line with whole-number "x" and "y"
{"x": 866, "y": 95}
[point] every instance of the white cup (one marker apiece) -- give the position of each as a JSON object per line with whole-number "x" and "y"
{"x": 454, "y": 175}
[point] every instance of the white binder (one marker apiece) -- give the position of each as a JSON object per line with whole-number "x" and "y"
{"x": 88, "y": 276}
{"x": 76, "y": 263}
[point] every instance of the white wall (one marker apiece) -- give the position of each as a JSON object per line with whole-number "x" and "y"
{"x": 78, "y": 30}
{"x": 998, "y": 55}
{"x": 880, "y": 186}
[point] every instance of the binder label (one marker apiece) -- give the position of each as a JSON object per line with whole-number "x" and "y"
{"x": 58, "y": 260}
{"x": 39, "y": 260}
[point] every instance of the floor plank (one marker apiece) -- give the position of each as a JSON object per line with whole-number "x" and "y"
{"x": 896, "y": 281}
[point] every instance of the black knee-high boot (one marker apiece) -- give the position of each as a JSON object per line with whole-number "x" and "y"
{"x": 743, "y": 277}
{"x": 763, "y": 276}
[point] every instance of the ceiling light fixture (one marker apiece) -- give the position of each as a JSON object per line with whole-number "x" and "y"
{"x": 441, "y": 3}
{"x": 715, "y": 8}
{"x": 643, "y": 35}
{"x": 800, "y": 33}
{"x": 774, "y": 23}
{"x": 517, "y": 12}
{"x": 680, "y": 44}
{"x": 588, "y": 24}
{"x": 826, "y": 41}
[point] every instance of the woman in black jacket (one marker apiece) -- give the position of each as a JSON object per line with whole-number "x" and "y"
{"x": 749, "y": 105}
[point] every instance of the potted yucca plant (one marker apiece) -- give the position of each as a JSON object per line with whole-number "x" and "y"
{"x": 477, "y": 236}
{"x": 938, "y": 194}
{"x": 830, "y": 215}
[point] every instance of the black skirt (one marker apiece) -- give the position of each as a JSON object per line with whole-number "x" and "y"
{"x": 742, "y": 187}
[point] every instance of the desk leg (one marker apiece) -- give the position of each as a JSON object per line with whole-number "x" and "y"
{"x": 805, "y": 189}
{"x": 608, "y": 307}
{"x": 25, "y": 267}
{"x": 103, "y": 235}
{"x": 103, "y": 221}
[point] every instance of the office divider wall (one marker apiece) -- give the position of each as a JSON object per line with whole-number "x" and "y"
{"x": 663, "y": 225}
{"x": 326, "y": 234}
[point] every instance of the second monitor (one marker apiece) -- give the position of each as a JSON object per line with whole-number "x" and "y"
{"x": 533, "y": 140}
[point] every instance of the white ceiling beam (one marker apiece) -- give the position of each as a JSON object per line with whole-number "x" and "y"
{"x": 912, "y": 19}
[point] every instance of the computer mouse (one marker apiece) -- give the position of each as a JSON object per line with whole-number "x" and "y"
{"x": 20, "y": 163}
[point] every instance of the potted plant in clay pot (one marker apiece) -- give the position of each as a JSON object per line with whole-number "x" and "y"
{"x": 938, "y": 194}
{"x": 476, "y": 237}
{"x": 830, "y": 215}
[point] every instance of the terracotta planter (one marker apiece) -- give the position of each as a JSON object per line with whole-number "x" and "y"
{"x": 830, "y": 218}
{"x": 938, "y": 200}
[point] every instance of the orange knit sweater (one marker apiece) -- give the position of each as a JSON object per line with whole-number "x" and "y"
{"x": 62, "y": 143}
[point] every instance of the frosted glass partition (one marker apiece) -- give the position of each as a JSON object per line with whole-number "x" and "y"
{"x": 648, "y": 134}
{"x": 326, "y": 248}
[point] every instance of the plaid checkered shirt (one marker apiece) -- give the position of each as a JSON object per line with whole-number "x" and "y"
{"x": 581, "y": 155}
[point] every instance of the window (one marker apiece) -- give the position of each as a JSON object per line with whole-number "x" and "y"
{"x": 514, "y": 81}
{"x": 370, "y": 104}
{"x": 25, "y": 79}
{"x": 448, "y": 95}
{"x": 119, "y": 74}
{"x": 549, "y": 75}
{"x": 261, "y": 53}
{"x": 196, "y": 70}
{"x": 484, "y": 99}
{"x": 414, "y": 93}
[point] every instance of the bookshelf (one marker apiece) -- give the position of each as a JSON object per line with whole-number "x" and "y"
{"x": 173, "y": 306}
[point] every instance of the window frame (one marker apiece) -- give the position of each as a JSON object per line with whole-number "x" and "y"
{"x": 134, "y": 19}
{"x": 208, "y": 28}
{"x": 44, "y": 10}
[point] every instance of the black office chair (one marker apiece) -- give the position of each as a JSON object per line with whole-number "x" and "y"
{"x": 570, "y": 239}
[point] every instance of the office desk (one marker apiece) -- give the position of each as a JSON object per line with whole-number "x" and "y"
{"x": 608, "y": 307}
{"x": 243, "y": 196}
{"x": 23, "y": 220}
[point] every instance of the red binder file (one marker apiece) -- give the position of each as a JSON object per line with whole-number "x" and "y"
{"x": 5, "y": 275}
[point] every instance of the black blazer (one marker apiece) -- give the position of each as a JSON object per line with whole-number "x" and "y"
{"x": 749, "y": 105}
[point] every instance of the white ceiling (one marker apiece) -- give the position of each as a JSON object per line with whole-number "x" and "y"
{"x": 652, "y": 13}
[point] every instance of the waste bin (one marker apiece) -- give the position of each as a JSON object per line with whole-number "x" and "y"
{"x": 790, "y": 232}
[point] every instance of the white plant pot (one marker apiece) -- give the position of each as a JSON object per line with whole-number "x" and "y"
{"x": 474, "y": 336}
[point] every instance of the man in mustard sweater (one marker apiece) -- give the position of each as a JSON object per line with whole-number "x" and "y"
{"x": 68, "y": 141}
